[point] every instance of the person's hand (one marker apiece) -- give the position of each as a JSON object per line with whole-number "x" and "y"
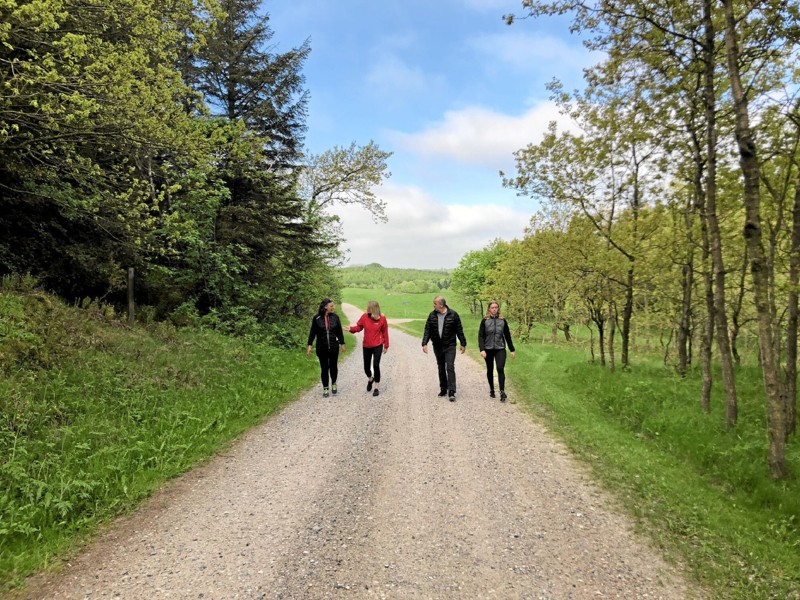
{"x": 385, "y": 349}
{"x": 343, "y": 348}
{"x": 483, "y": 353}
{"x": 513, "y": 354}
{"x": 308, "y": 350}
{"x": 463, "y": 349}
{"x": 425, "y": 349}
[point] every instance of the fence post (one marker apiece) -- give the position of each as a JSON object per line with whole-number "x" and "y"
{"x": 131, "y": 306}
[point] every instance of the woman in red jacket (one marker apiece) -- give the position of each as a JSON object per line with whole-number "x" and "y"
{"x": 376, "y": 342}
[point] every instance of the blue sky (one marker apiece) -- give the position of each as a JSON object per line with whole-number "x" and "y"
{"x": 449, "y": 89}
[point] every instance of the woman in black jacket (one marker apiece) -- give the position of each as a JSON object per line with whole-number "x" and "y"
{"x": 327, "y": 329}
{"x": 493, "y": 337}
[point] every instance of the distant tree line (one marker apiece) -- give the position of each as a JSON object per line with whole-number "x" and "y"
{"x": 407, "y": 281}
{"x": 168, "y": 137}
{"x": 675, "y": 207}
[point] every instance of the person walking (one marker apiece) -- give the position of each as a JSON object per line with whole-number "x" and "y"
{"x": 442, "y": 328}
{"x": 493, "y": 337}
{"x": 327, "y": 329}
{"x": 375, "y": 344}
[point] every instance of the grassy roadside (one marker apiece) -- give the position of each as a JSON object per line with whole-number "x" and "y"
{"x": 115, "y": 413}
{"x": 703, "y": 494}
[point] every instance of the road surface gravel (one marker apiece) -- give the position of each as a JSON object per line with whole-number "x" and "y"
{"x": 404, "y": 495}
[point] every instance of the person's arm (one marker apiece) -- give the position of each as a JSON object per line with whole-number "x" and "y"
{"x": 460, "y": 333}
{"x": 359, "y": 324}
{"x": 337, "y": 331}
{"x": 426, "y": 336}
{"x": 311, "y": 335}
{"x": 482, "y": 338}
{"x": 385, "y": 326}
{"x": 507, "y": 335}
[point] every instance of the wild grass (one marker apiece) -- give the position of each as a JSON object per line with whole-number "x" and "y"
{"x": 393, "y": 304}
{"x": 702, "y": 493}
{"x": 114, "y": 416}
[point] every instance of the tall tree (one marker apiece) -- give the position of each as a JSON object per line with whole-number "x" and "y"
{"x": 242, "y": 77}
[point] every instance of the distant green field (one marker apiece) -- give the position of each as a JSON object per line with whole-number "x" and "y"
{"x": 393, "y": 305}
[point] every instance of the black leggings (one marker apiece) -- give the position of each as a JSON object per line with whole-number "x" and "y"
{"x": 328, "y": 363}
{"x": 498, "y": 356}
{"x": 372, "y": 356}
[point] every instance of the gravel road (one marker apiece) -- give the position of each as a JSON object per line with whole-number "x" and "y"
{"x": 401, "y": 496}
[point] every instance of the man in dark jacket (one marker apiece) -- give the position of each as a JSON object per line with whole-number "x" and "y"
{"x": 441, "y": 329}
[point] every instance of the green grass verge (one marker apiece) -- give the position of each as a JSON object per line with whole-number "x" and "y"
{"x": 703, "y": 494}
{"x": 116, "y": 415}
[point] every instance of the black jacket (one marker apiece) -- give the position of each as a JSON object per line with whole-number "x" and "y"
{"x": 451, "y": 330}
{"x": 326, "y": 338}
{"x": 494, "y": 334}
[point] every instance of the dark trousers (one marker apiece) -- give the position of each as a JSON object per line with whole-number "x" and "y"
{"x": 372, "y": 362}
{"x": 498, "y": 356}
{"x": 446, "y": 361}
{"x": 328, "y": 364}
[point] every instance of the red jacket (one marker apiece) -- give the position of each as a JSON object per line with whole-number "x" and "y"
{"x": 376, "y": 333}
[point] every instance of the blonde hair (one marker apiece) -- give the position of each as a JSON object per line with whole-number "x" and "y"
{"x": 488, "y": 306}
{"x": 374, "y": 309}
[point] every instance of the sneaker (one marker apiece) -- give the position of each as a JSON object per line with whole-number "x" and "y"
{"x": 503, "y": 396}
{"x": 369, "y": 384}
{"x": 452, "y": 395}
{"x": 325, "y": 393}
{"x": 333, "y": 389}
{"x": 375, "y": 392}
{"x": 491, "y": 394}
{"x": 442, "y": 393}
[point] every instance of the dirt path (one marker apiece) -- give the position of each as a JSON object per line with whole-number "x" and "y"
{"x": 401, "y": 496}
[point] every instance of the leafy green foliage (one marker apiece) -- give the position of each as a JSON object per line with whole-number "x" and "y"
{"x": 407, "y": 281}
{"x": 117, "y": 413}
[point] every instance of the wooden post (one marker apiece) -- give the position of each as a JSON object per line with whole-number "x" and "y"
{"x": 131, "y": 305}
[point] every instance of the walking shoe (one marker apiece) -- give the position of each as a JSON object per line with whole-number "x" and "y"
{"x": 333, "y": 389}
{"x": 375, "y": 392}
{"x": 442, "y": 393}
{"x": 491, "y": 394}
{"x": 325, "y": 393}
{"x": 452, "y": 395}
{"x": 503, "y": 396}
{"x": 369, "y": 383}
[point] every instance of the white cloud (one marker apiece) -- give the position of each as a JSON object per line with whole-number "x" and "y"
{"x": 530, "y": 51}
{"x": 392, "y": 77}
{"x": 477, "y": 135}
{"x": 423, "y": 232}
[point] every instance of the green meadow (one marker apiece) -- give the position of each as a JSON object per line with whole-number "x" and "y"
{"x": 104, "y": 414}
{"x": 701, "y": 493}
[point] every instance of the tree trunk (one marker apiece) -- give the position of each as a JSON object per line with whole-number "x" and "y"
{"x": 627, "y": 313}
{"x": 612, "y": 330}
{"x": 736, "y": 325}
{"x": 792, "y": 320}
{"x": 748, "y": 160}
{"x": 720, "y": 310}
{"x": 684, "y": 331}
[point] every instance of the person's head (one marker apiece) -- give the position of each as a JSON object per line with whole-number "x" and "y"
{"x": 439, "y": 304}
{"x": 493, "y": 310}
{"x": 326, "y": 306}
{"x": 374, "y": 309}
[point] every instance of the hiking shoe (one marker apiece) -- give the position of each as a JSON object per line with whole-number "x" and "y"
{"x": 375, "y": 392}
{"x": 369, "y": 384}
{"x": 491, "y": 394}
{"x": 503, "y": 396}
{"x": 333, "y": 389}
{"x": 325, "y": 393}
{"x": 452, "y": 396}
{"x": 442, "y": 393}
